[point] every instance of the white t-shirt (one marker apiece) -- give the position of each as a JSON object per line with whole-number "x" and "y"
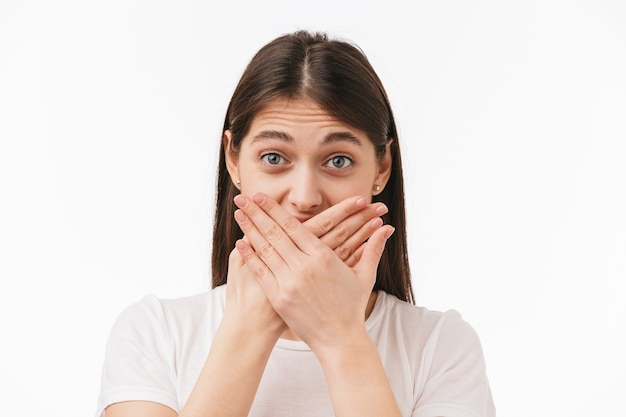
{"x": 433, "y": 360}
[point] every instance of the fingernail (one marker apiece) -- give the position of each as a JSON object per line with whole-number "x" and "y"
{"x": 240, "y": 201}
{"x": 361, "y": 202}
{"x": 239, "y": 216}
{"x": 376, "y": 223}
{"x": 389, "y": 233}
{"x": 258, "y": 198}
{"x": 382, "y": 209}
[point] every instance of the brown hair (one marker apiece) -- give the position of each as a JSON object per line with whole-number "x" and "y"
{"x": 338, "y": 77}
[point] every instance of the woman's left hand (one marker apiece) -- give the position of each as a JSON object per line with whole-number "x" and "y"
{"x": 319, "y": 297}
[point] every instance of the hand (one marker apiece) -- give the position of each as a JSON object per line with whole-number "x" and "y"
{"x": 246, "y": 302}
{"x": 345, "y": 226}
{"x": 318, "y": 296}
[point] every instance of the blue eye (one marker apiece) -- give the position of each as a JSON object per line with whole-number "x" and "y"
{"x": 339, "y": 161}
{"x": 272, "y": 158}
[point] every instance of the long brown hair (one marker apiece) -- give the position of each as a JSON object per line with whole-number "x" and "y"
{"x": 338, "y": 77}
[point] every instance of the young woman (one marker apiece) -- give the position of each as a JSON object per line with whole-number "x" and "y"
{"x": 311, "y": 311}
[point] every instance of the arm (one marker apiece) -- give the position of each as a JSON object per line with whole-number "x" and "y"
{"x": 139, "y": 409}
{"x": 235, "y": 362}
{"x": 356, "y": 378}
{"x": 240, "y": 350}
{"x": 322, "y": 300}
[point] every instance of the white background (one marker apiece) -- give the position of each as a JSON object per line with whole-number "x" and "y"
{"x": 512, "y": 123}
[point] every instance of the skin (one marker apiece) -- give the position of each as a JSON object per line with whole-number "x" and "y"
{"x": 302, "y": 270}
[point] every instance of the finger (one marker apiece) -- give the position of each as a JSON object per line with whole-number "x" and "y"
{"x": 259, "y": 269}
{"x": 345, "y": 249}
{"x": 356, "y": 256}
{"x": 325, "y": 221}
{"x": 283, "y": 231}
{"x": 235, "y": 260}
{"x": 236, "y": 276}
{"x": 350, "y": 224}
{"x": 260, "y": 244}
{"x": 271, "y": 244}
{"x": 372, "y": 252}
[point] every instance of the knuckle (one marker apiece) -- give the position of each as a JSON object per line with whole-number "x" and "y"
{"x": 343, "y": 251}
{"x": 290, "y": 225}
{"x": 245, "y": 255}
{"x": 259, "y": 272}
{"x": 272, "y": 233}
{"x": 322, "y": 260}
{"x": 305, "y": 269}
{"x": 341, "y": 233}
{"x": 266, "y": 251}
{"x": 324, "y": 223}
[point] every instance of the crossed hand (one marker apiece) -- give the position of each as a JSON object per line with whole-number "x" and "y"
{"x": 314, "y": 278}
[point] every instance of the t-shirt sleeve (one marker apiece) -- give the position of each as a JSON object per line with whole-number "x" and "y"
{"x": 457, "y": 384}
{"x": 138, "y": 362}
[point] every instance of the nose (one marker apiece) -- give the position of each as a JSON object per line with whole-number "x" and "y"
{"x": 305, "y": 193}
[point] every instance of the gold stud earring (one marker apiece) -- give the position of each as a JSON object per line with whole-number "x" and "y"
{"x": 376, "y": 187}
{"x": 237, "y": 183}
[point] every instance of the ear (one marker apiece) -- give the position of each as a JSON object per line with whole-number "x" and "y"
{"x": 231, "y": 157}
{"x": 384, "y": 170}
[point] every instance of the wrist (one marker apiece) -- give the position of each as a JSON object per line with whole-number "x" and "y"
{"x": 246, "y": 328}
{"x": 347, "y": 350}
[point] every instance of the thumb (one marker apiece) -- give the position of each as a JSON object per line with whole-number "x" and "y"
{"x": 235, "y": 260}
{"x": 356, "y": 256}
{"x": 372, "y": 251}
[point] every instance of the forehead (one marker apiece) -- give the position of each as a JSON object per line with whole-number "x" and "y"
{"x": 304, "y": 124}
{"x": 297, "y": 113}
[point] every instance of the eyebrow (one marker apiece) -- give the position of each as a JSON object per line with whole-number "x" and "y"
{"x": 330, "y": 138}
{"x": 273, "y": 134}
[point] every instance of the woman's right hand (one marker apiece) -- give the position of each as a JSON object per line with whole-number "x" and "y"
{"x": 246, "y": 303}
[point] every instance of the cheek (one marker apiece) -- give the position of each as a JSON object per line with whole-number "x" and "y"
{"x": 339, "y": 192}
{"x": 254, "y": 182}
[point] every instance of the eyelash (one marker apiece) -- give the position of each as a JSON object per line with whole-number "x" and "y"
{"x": 264, "y": 157}
{"x": 344, "y": 157}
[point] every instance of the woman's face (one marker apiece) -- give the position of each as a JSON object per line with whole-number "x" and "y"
{"x": 305, "y": 159}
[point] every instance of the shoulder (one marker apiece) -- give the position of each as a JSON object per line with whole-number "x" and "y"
{"x": 444, "y": 355}
{"x": 151, "y": 306}
{"x": 420, "y": 320}
{"x": 153, "y": 315}
{"x": 439, "y": 340}
{"x": 210, "y": 303}
{"x": 153, "y": 344}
